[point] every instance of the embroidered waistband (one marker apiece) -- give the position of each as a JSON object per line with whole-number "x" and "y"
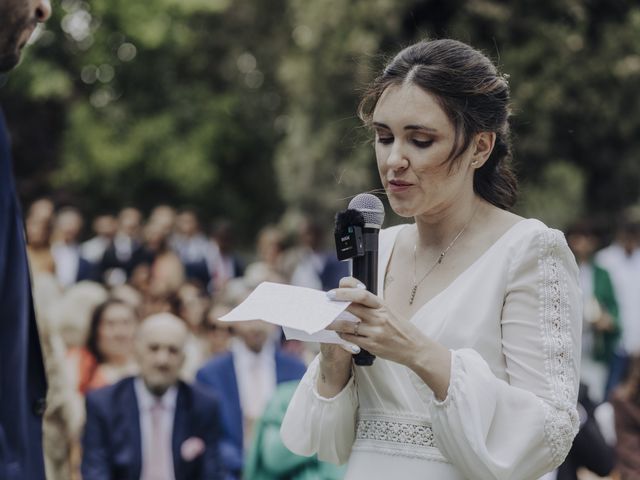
{"x": 396, "y": 434}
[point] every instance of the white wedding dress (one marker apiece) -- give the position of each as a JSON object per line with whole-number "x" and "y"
{"x": 512, "y": 321}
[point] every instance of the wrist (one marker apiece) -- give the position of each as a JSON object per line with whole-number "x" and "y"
{"x": 432, "y": 363}
{"x": 332, "y": 376}
{"x": 418, "y": 356}
{"x": 334, "y": 367}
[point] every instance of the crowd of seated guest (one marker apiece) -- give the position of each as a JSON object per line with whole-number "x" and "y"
{"x": 100, "y": 299}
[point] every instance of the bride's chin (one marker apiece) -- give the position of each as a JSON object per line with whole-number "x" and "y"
{"x": 406, "y": 215}
{"x": 402, "y": 210}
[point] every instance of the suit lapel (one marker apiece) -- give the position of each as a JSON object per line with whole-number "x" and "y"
{"x": 130, "y": 408}
{"x": 180, "y": 429}
{"x": 231, "y": 384}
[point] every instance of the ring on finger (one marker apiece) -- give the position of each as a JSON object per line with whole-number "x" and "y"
{"x": 355, "y": 330}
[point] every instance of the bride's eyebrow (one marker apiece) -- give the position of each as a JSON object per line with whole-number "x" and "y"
{"x": 421, "y": 127}
{"x": 407, "y": 127}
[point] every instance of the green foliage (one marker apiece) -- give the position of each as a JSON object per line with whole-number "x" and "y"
{"x": 44, "y": 80}
{"x": 573, "y": 70}
{"x": 558, "y": 198}
{"x": 247, "y": 108}
{"x": 325, "y": 156}
{"x": 161, "y": 103}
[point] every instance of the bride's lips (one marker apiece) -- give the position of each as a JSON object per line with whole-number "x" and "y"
{"x": 397, "y": 186}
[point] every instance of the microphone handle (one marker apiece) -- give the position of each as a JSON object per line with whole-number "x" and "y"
{"x": 365, "y": 269}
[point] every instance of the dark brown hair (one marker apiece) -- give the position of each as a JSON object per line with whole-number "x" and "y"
{"x": 94, "y": 326}
{"x": 474, "y": 96}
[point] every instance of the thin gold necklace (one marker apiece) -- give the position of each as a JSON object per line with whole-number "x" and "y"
{"x": 416, "y": 283}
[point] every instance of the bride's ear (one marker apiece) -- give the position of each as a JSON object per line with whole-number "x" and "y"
{"x": 483, "y": 144}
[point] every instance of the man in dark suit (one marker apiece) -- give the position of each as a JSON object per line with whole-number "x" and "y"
{"x": 71, "y": 266}
{"x": 22, "y": 378}
{"x": 244, "y": 380}
{"x": 126, "y": 251}
{"x": 154, "y": 426}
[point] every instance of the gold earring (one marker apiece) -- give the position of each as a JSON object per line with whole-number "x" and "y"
{"x": 474, "y": 163}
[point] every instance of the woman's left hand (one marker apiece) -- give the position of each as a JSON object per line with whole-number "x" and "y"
{"x": 379, "y": 331}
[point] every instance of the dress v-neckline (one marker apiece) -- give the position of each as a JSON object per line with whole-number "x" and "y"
{"x": 462, "y": 274}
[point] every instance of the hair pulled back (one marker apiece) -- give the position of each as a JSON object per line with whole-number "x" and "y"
{"x": 94, "y": 326}
{"x": 473, "y": 95}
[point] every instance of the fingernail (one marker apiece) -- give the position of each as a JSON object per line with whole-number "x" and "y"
{"x": 355, "y": 349}
{"x": 361, "y": 285}
{"x": 331, "y": 294}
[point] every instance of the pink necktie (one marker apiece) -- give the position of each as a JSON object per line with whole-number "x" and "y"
{"x": 156, "y": 463}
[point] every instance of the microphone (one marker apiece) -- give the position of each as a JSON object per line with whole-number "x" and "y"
{"x": 356, "y": 234}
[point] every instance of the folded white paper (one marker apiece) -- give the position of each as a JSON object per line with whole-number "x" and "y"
{"x": 323, "y": 336}
{"x": 300, "y": 309}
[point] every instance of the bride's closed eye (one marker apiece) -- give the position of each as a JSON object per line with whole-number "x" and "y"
{"x": 384, "y": 139}
{"x": 422, "y": 143}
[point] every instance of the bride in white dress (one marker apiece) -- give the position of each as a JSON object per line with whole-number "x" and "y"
{"x": 477, "y": 326}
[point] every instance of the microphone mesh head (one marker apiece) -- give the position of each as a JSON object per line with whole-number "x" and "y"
{"x": 371, "y": 208}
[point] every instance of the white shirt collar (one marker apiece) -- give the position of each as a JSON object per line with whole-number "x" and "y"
{"x": 243, "y": 353}
{"x": 146, "y": 399}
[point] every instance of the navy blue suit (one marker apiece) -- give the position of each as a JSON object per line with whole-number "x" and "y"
{"x": 23, "y": 384}
{"x": 87, "y": 271}
{"x": 112, "y": 442}
{"x": 219, "y": 375}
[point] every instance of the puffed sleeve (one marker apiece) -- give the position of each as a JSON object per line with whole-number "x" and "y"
{"x": 317, "y": 425}
{"x": 523, "y": 427}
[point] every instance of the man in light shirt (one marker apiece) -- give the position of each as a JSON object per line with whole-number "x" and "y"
{"x": 622, "y": 260}
{"x": 244, "y": 380}
{"x": 153, "y": 426}
{"x": 71, "y": 266}
{"x": 105, "y": 227}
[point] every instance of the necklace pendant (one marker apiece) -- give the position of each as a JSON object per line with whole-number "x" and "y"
{"x": 413, "y": 294}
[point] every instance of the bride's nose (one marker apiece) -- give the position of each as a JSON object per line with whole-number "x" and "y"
{"x": 397, "y": 159}
{"x": 42, "y": 10}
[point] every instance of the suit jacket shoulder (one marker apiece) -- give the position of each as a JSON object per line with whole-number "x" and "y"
{"x": 110, "y": 398}
{"x": 104, "y": 397}
{"x": 288, "y": 367}
{"x": 217, "y": 363}
{"x": 200, "y": 399}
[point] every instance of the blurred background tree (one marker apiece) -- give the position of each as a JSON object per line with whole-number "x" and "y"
{"x": 246, "y": 109}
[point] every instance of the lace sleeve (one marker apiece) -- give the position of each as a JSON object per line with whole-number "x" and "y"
{"x": 522, "y": 427}
{"x": 561, "y": 418}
